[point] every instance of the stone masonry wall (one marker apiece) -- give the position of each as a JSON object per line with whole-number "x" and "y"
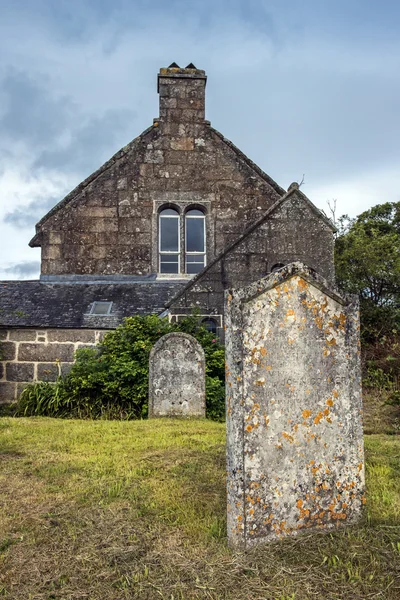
{"x": 109, "y": 224}
{"x": 294, "y": 232}
{"x": 38, "y": 355}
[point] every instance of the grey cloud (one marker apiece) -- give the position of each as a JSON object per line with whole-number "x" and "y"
{"x": 24, "y": 269}
{"x": 56, "y": 130}
{"x": 30, "y": 112}
{"x": 90, "y": 143}
{"x": 27, "y": 216}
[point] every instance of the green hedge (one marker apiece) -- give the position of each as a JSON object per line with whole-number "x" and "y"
{"x": 111, "y": 380}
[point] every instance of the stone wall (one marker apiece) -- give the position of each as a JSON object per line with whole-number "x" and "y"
{"x": 38, "y": 355}
{"x": 294, "y": 412}
{"x": 293, "y": 232}
{"x": 109, "y": 224}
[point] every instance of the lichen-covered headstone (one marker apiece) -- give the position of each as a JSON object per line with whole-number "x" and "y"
{"x": 294, "y": 428}
{"x": 177, "y": 377}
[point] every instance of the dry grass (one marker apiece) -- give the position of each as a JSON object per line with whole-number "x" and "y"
{"x": 380, "y": 415}
{"x": 111, "y": 510}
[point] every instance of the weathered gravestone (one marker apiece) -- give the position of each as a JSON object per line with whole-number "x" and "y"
{"x": 177, "y": 377}
{"x": 294, "y": 429}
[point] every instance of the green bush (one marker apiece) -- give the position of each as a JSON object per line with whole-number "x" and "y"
{"x": 111, "y": 380}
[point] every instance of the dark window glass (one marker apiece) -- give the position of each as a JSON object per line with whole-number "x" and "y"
{"x": 194, "y": 213}
{"x": 195, "y": 234}
{"x": 194, "y": 263}
{"x": 277, "y": 267}
{"x": 169, "y": 233}
{"x": 210, "y": 325}
{"x": 169, "y": 263}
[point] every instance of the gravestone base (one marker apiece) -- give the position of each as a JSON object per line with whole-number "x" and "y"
{"x": 295, "y": 458}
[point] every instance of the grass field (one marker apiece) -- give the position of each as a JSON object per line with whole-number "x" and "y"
{"x": 121, "y": 510}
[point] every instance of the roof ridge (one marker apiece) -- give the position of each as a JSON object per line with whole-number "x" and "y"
{"x": 250, "y": 163}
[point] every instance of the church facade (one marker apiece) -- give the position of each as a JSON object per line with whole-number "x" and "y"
{"x": 167, "y": 224}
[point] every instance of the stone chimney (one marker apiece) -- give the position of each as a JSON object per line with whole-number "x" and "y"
{"x": 182, "y": 94}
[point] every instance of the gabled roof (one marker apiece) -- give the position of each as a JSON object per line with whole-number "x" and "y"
{"x": 35, "y": 241}
{"x": 129, "y": 148}
{"x": 249, "y": 162}
{"x": 293, "y": 190}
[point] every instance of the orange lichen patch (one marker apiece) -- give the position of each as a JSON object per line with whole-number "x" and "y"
{"x": 329, "y": 420}
{"x": 331, "y": 342}
{"x": 326, "y": 412}
{"x": 295, "y": 427}
{"x": 268, "y": 368}
{"x": 306, "y": 414}
{"x": 319, "y": 322}
{"x": 266, "y": 420}
{"x": 290, "y": 313}
{"x": 360, "y": 466}
{"x": 302, "y": 284}
{"x": 260, "y": 382}
{"x": 291, "y": 340}
{"x": 238, "y": 378}
{"x": 240, "y": 518}
{"x": 329, "y": 402}
{"x": 288, "y": 437}
{"x": 318, "y": 418}
{"x": 249, "y": 428}
{"x": 251, "y": 511}
{"x": 263, "y": 351}
{"x": 363, "y": 499}
{"x": 299, "y": 503}
{"x": 335, "y": 394}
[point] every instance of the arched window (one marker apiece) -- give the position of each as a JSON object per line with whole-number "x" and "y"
{"x": 210, "y": 325}
{"x": 277, "y": 267}
{"x": 169, "y": 244}
{"x": 195, "y": 241}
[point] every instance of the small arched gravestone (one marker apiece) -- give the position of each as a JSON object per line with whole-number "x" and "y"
{"x": 177, "y": 377}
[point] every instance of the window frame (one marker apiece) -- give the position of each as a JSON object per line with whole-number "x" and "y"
{"x": 99, "y": 302}
{"x": 171, "y": 252}
{"x": 204, "y": 252}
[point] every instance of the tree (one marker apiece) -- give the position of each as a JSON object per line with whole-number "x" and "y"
{"x": 367, "y": 259}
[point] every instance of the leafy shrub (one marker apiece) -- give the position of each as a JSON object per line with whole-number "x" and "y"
{"x": 111, "y": 380}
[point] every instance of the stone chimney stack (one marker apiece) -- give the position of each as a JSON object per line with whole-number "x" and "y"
{"x": 182, "y": 94}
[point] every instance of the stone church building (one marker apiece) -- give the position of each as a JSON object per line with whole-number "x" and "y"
{"x": 167, "y": 224}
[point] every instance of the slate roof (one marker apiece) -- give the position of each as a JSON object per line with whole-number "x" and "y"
{"x": 67, "y": 305}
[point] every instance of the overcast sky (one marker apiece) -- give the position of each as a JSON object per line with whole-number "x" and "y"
{"x": 301, "y": 86}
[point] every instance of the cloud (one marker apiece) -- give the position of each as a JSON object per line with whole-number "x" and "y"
{"x": 299, "y": 86}
{"x": 89, "y": 143}
{"x": 24, "y": 269}
{"x": 27, "y": 216}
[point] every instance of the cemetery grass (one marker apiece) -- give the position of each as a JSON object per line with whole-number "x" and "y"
{"x": 123, "y": 510}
